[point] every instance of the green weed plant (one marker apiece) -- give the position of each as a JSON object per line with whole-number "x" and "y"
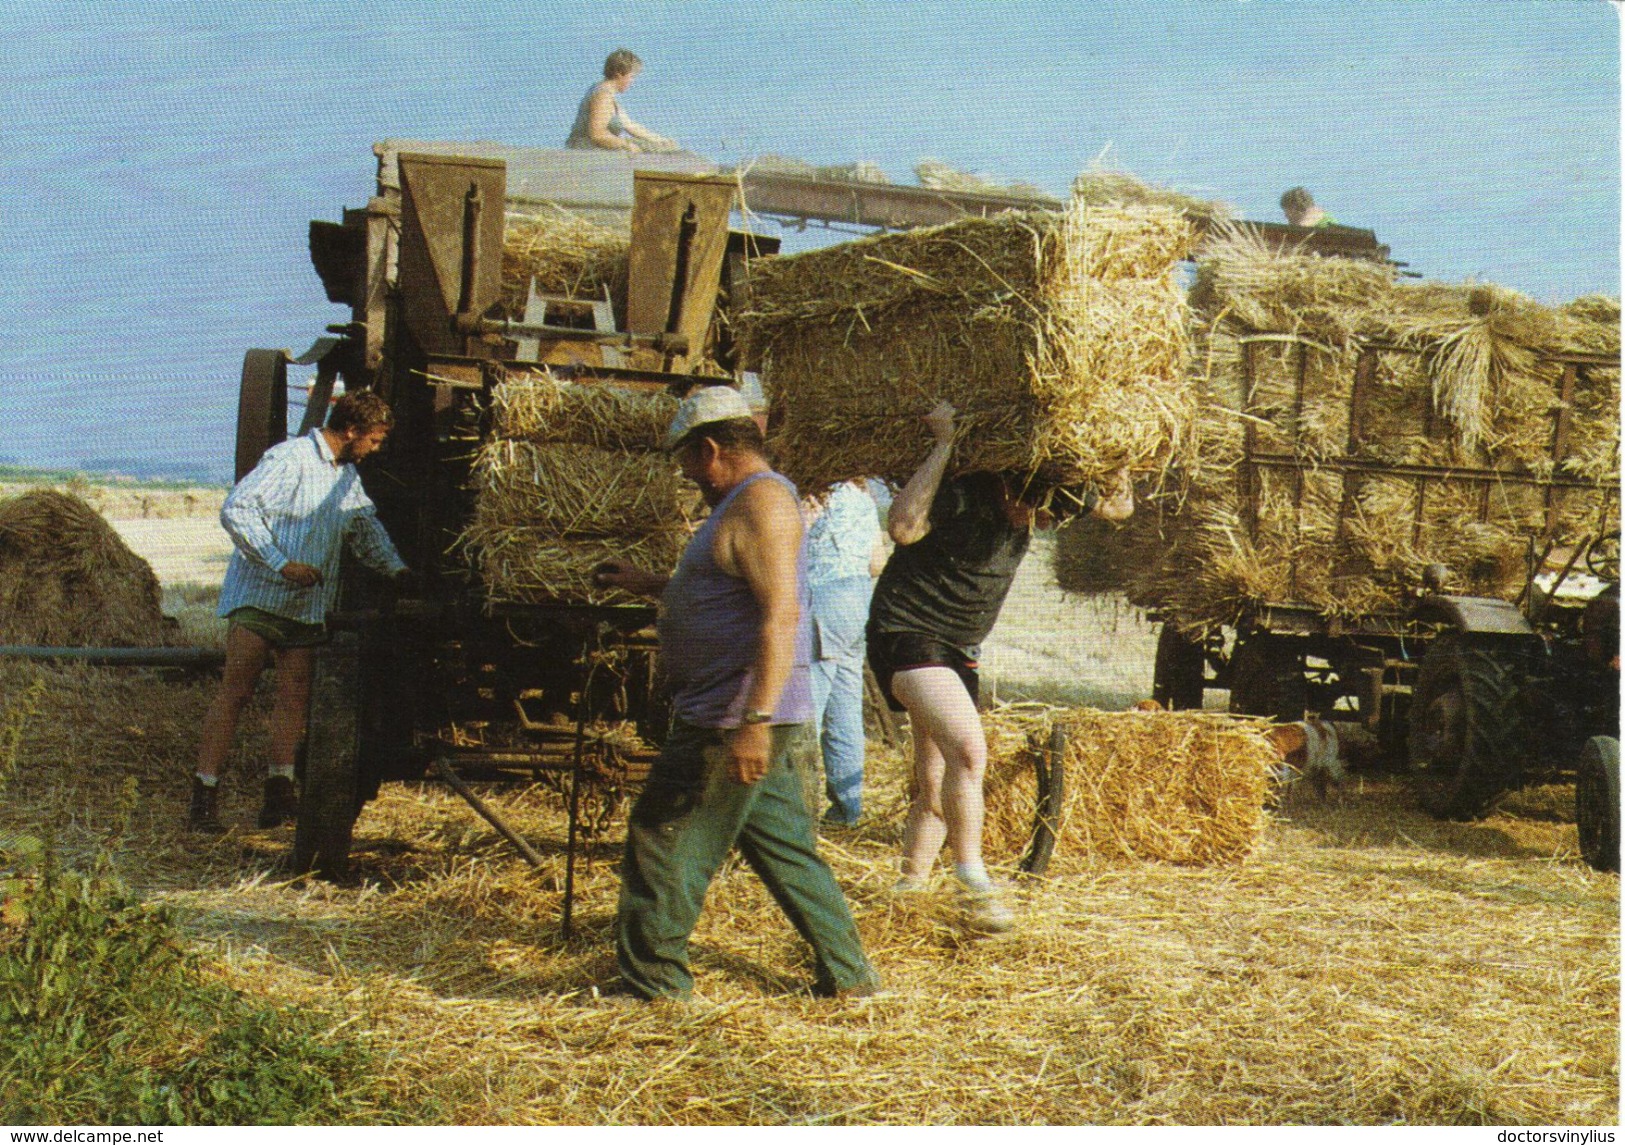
{"x": 107, "y": 1017}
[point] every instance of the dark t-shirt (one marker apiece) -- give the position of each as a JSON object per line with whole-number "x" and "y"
{"x": 951, "y": 583}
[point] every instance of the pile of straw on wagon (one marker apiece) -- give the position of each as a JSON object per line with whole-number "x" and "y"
{"x": 1356, "y": 428}
{"x": 1178, "y": 787}
{"x": 67, "y": 579}
{"x": 1058, "y": 336}
{"x": 566, "y": 256}
{"x": 571, "y": 475}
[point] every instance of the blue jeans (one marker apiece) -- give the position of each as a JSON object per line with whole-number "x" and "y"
{"x": 840, "y": 610}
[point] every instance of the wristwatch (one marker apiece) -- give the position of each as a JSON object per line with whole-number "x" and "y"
{"x": 755, "y": 718}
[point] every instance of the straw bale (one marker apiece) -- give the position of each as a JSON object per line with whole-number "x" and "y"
{"x": 1240, "y": 280}
{"x": 574, "y": 475}
{"x": 66, "y": 578}
{"x": 1058, "y": 337}
{"x": 532, "y": 405}
{"x": 579, "y": 490}
{"x": 534, "y": 566}
{"x": 1180, "y": 787}
{"x": 566, "y": 255}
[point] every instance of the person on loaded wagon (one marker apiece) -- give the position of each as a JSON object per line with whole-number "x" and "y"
{"x": 734, "y": 642}
{"x": 600, "y": 122}
{"x": 844, "y": 555}
{"x": 289, "y": 519}
{"x": 1300, "y": 209}
{"x": 959, "y": 543}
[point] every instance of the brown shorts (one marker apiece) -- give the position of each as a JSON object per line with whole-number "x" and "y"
{"x": 893, "y": 652}
{"x": 278, "y": 631}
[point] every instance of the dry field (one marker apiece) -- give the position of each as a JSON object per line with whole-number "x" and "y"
{"x": 1364, "y": 965}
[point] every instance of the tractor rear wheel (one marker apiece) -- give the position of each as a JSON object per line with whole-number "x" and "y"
{"x": 329, "y": 798}
{"x": 1596, "y": 802}
{"x": 1464, "y": 728}
{"x": 1266, "y": 678}
{"x": 1179, "y": 675}
{"x": 262, "y": 407}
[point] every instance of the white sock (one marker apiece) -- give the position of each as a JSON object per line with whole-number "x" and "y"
{"x": 973, "y": 875}
{"x": 207, "y": 780}
{"x": 279, "y": 771}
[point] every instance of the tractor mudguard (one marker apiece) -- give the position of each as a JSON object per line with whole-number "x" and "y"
{"x": 1475, "y": 614}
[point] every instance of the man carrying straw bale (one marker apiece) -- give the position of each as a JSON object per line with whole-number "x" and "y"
{"x": 289, "y": 520}
{"x": 958, "y": 547}
{"x": 734, "y": 643}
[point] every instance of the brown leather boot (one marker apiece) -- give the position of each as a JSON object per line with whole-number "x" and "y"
{"x": 204, "y": 815}
{"x": 281, "y": 802}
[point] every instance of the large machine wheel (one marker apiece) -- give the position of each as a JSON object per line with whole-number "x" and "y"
{"x": 262, "y": 406}
{"x": 1179, "y": 675}
{"x": 1266, "y": 678}
{"x": 1050, "y": 763}
{"x": 1464, "y": 727}
{"x": 1596, "y": 802}
{"x": 329, "y": 798}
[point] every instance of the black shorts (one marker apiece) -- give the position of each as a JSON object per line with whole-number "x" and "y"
{"x": 893, "y": 652}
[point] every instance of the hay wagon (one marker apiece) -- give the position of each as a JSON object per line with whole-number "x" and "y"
{"x": 1476, "y": 675}
{"x": 500, "y": 669}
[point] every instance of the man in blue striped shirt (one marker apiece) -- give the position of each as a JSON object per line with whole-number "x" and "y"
{"x": 289, "y": 521}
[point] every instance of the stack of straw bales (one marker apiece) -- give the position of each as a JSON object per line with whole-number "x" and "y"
{"x": 1059, "y": 337}
{"x": 68, "y": 580}
{"x": 1476, "y": 393}
{"x": 571, "y": 475}
{"x": 1178, "y": 787}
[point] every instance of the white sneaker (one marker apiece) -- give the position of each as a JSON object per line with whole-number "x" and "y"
{"x": 910, "y": 885}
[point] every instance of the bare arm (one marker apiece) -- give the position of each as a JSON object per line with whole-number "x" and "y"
{"x": 623, "y": 575}
{"x": 654, "y": 139}
{"x": 600, "y": 110}
{"x": 758, "y": 540}
{"x": 910, "y": 516}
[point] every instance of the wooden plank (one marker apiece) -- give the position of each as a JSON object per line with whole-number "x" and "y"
{"x": 679, "y": 236}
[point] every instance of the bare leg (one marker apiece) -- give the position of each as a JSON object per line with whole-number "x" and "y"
{"x": 295, "y": 668}
{"x": 246, "y": 656}
{"x": 940, "y": 710}
{"x": 925, "y": 829}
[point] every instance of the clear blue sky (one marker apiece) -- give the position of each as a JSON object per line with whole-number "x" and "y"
{"x": 163, "y": 159}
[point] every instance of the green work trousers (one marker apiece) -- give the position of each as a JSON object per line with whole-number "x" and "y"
{"x": 688, "y": 816}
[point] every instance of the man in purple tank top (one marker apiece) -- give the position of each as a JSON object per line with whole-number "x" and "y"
{"x": 734, "y": 649}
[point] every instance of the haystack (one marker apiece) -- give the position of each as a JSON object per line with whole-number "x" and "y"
{"x": 1059, "y": 337}
{"x": 573, "y": 476}
{"x": 67, "y": 579}
{"x": 1178, "y": 787}
{"x": 1287, "y": 489}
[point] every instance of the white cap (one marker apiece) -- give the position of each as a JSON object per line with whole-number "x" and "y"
{"x": 702, "y": 407}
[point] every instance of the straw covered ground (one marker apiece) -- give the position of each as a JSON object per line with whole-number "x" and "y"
{"x": 1464, "y": 381}
{"x": 1059, "y": 337}
{"x": 572, "y": 475}
{"x": 1363, "y": 964}
{"x": 67, "y": 579}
